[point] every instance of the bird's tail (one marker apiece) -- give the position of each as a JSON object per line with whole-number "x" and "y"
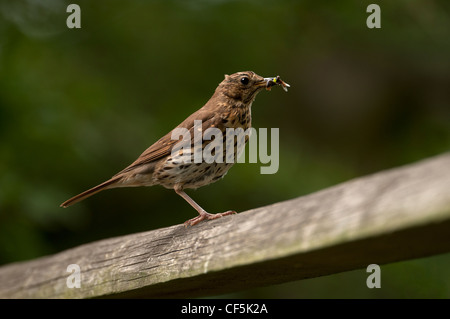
{"x": 90, "y": 192}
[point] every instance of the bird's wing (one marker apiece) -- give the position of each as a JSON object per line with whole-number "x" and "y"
{"x": 163, "y": 147}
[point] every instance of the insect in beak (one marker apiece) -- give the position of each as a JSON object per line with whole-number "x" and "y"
{"x": 276, "y": 81}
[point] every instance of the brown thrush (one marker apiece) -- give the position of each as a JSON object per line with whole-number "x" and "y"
{"x": 165, "y": 163}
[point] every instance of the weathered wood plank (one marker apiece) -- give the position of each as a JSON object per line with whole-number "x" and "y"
{"x": 393, "y": 215}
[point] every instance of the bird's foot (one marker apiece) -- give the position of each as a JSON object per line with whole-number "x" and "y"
{"x": 205, "y": 215}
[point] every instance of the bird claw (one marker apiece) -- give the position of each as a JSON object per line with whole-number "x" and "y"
{"x": 208, "y": 216}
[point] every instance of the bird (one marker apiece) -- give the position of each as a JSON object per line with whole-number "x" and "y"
{"x": 168, "y": 162}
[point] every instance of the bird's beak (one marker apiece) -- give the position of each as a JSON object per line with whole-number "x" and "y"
{"x": 269, "y": 82}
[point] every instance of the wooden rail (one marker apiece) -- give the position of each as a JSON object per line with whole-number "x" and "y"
{"x": 390, "y": 216}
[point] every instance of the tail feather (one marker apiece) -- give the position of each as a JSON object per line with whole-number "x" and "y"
{"x": 90, "y": 192}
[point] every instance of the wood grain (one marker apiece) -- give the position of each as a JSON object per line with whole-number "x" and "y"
{"x": 390, "y": 216}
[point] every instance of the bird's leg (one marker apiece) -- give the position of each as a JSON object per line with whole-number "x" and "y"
{"x": 203, "y": 214}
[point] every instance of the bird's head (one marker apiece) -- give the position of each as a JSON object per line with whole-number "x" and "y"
{"x": 243, "y": 86}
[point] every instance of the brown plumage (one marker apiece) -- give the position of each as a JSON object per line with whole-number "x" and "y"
{"x": 160, "y": 164}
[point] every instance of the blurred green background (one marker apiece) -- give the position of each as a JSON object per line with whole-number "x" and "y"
{"x": 78, "y": 105}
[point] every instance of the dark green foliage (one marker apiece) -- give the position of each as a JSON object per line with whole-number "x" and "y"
{"x": 78, "y": 105}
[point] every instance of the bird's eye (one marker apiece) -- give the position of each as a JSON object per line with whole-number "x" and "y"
{"x": 245, "y": 80}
